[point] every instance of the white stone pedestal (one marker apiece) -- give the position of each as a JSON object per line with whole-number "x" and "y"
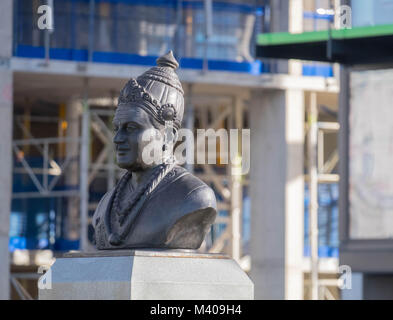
{"x": 146, "y": 274}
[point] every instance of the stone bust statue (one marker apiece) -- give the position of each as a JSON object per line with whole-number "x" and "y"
{"x": 152, "y": 205}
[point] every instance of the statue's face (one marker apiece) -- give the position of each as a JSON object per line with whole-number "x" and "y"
{"x": 129, "y": 125}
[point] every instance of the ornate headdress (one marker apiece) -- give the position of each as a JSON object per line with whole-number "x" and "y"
{"x": 158, "y": 91}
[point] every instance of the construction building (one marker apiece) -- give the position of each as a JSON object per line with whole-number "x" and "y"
{"x": 362, "y": 43}
{"x": 58, "y": 92}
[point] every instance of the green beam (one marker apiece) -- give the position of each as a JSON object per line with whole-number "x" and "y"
{"x": 280, "y": 38}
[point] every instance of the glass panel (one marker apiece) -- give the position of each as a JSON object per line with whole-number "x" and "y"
{"x": 370, "y": 13}
{"x": 148, "y": 29}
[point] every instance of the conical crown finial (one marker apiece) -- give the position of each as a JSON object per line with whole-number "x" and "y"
{"x": 168, "y": 60}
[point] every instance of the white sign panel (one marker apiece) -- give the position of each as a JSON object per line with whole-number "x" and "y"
{"x": 371, "y": 155}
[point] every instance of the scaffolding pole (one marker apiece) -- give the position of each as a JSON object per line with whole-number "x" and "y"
{"x": 313, "y": 192}
{"x": 84, "y": 174}
{"x": 236, "y": 184}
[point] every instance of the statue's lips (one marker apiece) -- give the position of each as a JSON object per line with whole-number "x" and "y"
{"x": 122, "y": 152}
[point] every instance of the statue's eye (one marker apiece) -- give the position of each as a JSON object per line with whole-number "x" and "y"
{"x": 131, "y": 127}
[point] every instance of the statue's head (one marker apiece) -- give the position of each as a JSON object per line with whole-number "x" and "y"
{"x": 149, "y": 102}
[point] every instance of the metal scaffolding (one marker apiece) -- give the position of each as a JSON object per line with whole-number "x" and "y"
{"x": 319, "y": 171}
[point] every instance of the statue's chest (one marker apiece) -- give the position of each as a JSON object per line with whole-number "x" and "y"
{"x": 145, "y": 226}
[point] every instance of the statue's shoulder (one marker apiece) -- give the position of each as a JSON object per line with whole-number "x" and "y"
{"x": 195, "y": 192}
{"x": 198, "y": 209}
{"x": 201, "y": 194}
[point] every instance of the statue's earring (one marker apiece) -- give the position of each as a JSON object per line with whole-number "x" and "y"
{"x": 170, "y": 141}
{"x": 175, "y": 135}
{"x": 170, "y": 138}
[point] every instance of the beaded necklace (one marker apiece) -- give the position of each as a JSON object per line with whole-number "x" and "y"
{"x": 131, "y": 211}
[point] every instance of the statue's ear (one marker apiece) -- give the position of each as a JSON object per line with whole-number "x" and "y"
{"x": 190, "y": 230}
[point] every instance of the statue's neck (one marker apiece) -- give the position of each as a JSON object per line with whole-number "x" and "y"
{"x": 139, "y": 177}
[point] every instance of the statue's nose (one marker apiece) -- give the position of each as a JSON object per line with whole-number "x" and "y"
{"x": 119, "y": 137}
